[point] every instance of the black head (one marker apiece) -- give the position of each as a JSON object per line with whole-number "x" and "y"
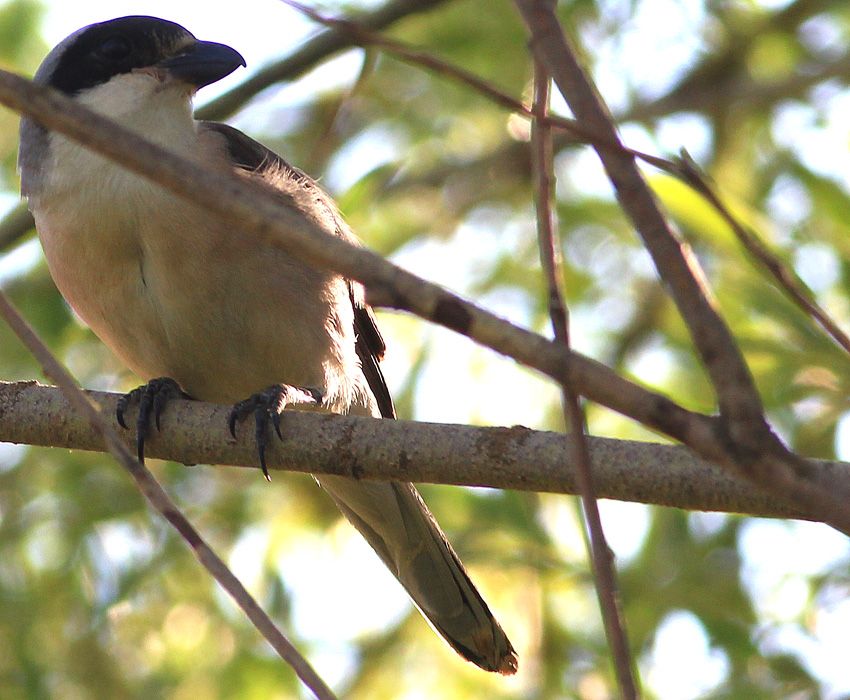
{"x": 94, "y": 54}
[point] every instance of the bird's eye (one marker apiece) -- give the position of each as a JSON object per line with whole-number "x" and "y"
{"x": 114, "y": 48}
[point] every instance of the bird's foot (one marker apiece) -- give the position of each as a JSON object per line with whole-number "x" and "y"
{"x": 152, "y": 398}
{"x": 268, "y": 405}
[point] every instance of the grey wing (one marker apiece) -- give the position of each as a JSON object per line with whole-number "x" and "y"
{"x": 250, "y": 155}
{"x": 370, "y": 348}
{"x": 247, "y": 154}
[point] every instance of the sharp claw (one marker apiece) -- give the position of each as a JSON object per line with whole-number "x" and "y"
{"x": 140, "y": 447}
{"x": 121, "y": 408}
{"x": 152, "y": 399}
{"x": 261, "y": 445}
{"x": 268, "y": 405}
{"x": 263, "y": 465}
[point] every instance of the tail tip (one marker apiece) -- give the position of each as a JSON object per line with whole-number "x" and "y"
{"x": 508, "y": 664}
{"x": 492, "y": 651}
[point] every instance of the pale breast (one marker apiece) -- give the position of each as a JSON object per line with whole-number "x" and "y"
{"x": 174, "y": 293}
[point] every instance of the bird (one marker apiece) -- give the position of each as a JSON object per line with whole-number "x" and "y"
{"x": 198, "y": 309}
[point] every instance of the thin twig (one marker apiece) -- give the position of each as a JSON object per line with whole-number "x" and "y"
{"x": 319, "y": 47}
{"x": 600, "y": 555}
{"x": 737, "y": 395}
{"x": 793, "y": 286}
{"x": 362, "y": 36}
{"x": 162, "y": 503}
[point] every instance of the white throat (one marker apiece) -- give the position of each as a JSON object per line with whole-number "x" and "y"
{"x": 159, "y": 111}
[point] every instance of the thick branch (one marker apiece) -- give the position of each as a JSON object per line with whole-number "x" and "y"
{"x": 517, "y": 458}
{"x": 269, "y": 220}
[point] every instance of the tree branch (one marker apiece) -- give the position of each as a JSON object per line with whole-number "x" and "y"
{"x": 604, "y": 572}
{"x": 271, "y": 221}
{"x": 194, "y": 432}
{"x": 674, "y": 261}
{"x": 754, "y": 449}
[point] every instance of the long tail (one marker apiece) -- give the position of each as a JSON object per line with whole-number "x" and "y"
{"x": 398, "y": 525}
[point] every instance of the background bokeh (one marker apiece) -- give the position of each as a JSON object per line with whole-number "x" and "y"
{"x": 100, "y": 599}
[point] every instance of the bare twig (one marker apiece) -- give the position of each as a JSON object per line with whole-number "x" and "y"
{"x": 788, "y": 282}
{"x": 14, "y": 225}
{"x": 162, "y": 503}
{"x": 675, "y": 263}
{"x": 600, "y": 555}
{"x": 319, "y": 47}
{"x": 361, "y": 35}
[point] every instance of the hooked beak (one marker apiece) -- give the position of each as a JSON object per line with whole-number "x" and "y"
{"x": 203, "y": 63}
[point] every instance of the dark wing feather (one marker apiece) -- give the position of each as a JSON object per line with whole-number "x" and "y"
{"x": 250, "y": 155}
{"x": 370, "y": 348}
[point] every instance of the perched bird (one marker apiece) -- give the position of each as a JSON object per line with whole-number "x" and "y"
{"x": 195, "y": 307}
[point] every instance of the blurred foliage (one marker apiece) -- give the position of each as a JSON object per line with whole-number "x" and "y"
{"x": 98, "y": 599}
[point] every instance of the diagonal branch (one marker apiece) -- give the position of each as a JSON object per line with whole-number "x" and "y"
{"x": 577, "y": 131}
{"x": 675, "y": 263}
{"x": 795, "y": 289}
{"x": 270, "y": 221}
{"x": 160, "y": 501}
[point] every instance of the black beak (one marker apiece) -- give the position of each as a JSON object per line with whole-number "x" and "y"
{"x": 203, "y": 63}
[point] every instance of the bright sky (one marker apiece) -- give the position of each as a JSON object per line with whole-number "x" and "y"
{"x": 681, "y": 664}
{"x": 259, "y": 30}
